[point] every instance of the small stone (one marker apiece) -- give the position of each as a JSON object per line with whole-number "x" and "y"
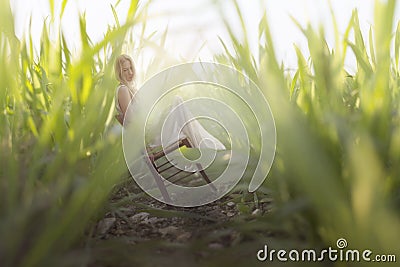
{"x": 105, "y": 224}
{"x": 119, "y": 232}
{"x": 151, "y": 220}
{"x": 139, "y": 217}
{"x": 215, "y": 246}
{"x": 184, "y": 237}
{"x": 231, "y": 204}
{"x": 230, "y": 214}
{"x": 172, "y": 230}
{"x": 256, "y": 212}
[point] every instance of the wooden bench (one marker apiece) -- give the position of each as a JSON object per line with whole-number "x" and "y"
{"x": 157, "y": 169}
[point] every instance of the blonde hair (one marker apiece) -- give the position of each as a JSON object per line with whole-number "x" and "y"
{"x": 118, "y": 70}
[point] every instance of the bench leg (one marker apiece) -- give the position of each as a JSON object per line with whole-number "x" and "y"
{"x": 159, "y": 181}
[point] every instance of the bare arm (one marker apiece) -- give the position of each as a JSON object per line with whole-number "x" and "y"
{"x": 124, "y": 98}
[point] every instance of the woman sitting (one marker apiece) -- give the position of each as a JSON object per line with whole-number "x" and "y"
{"x": 182, "y": 125}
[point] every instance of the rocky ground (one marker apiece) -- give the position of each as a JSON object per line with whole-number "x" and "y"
{"x": 136, "y": 221}
{"x": 146, "y": 218}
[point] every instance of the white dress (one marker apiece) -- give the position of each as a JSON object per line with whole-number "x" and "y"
{"x": 180, "y": 123}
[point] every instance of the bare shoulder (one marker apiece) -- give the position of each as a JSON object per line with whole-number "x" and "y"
{"x": 123, "y": 90}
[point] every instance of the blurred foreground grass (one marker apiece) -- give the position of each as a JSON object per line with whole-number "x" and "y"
{"x": 59, "y": 159}
{"x": 338, "y": 150}
{"x": 336, "y": 172}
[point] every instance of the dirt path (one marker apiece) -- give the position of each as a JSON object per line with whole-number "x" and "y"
{"x": 146, "y": 226}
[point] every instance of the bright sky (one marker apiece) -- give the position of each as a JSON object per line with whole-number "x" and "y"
{"x": 192, "y": 24}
